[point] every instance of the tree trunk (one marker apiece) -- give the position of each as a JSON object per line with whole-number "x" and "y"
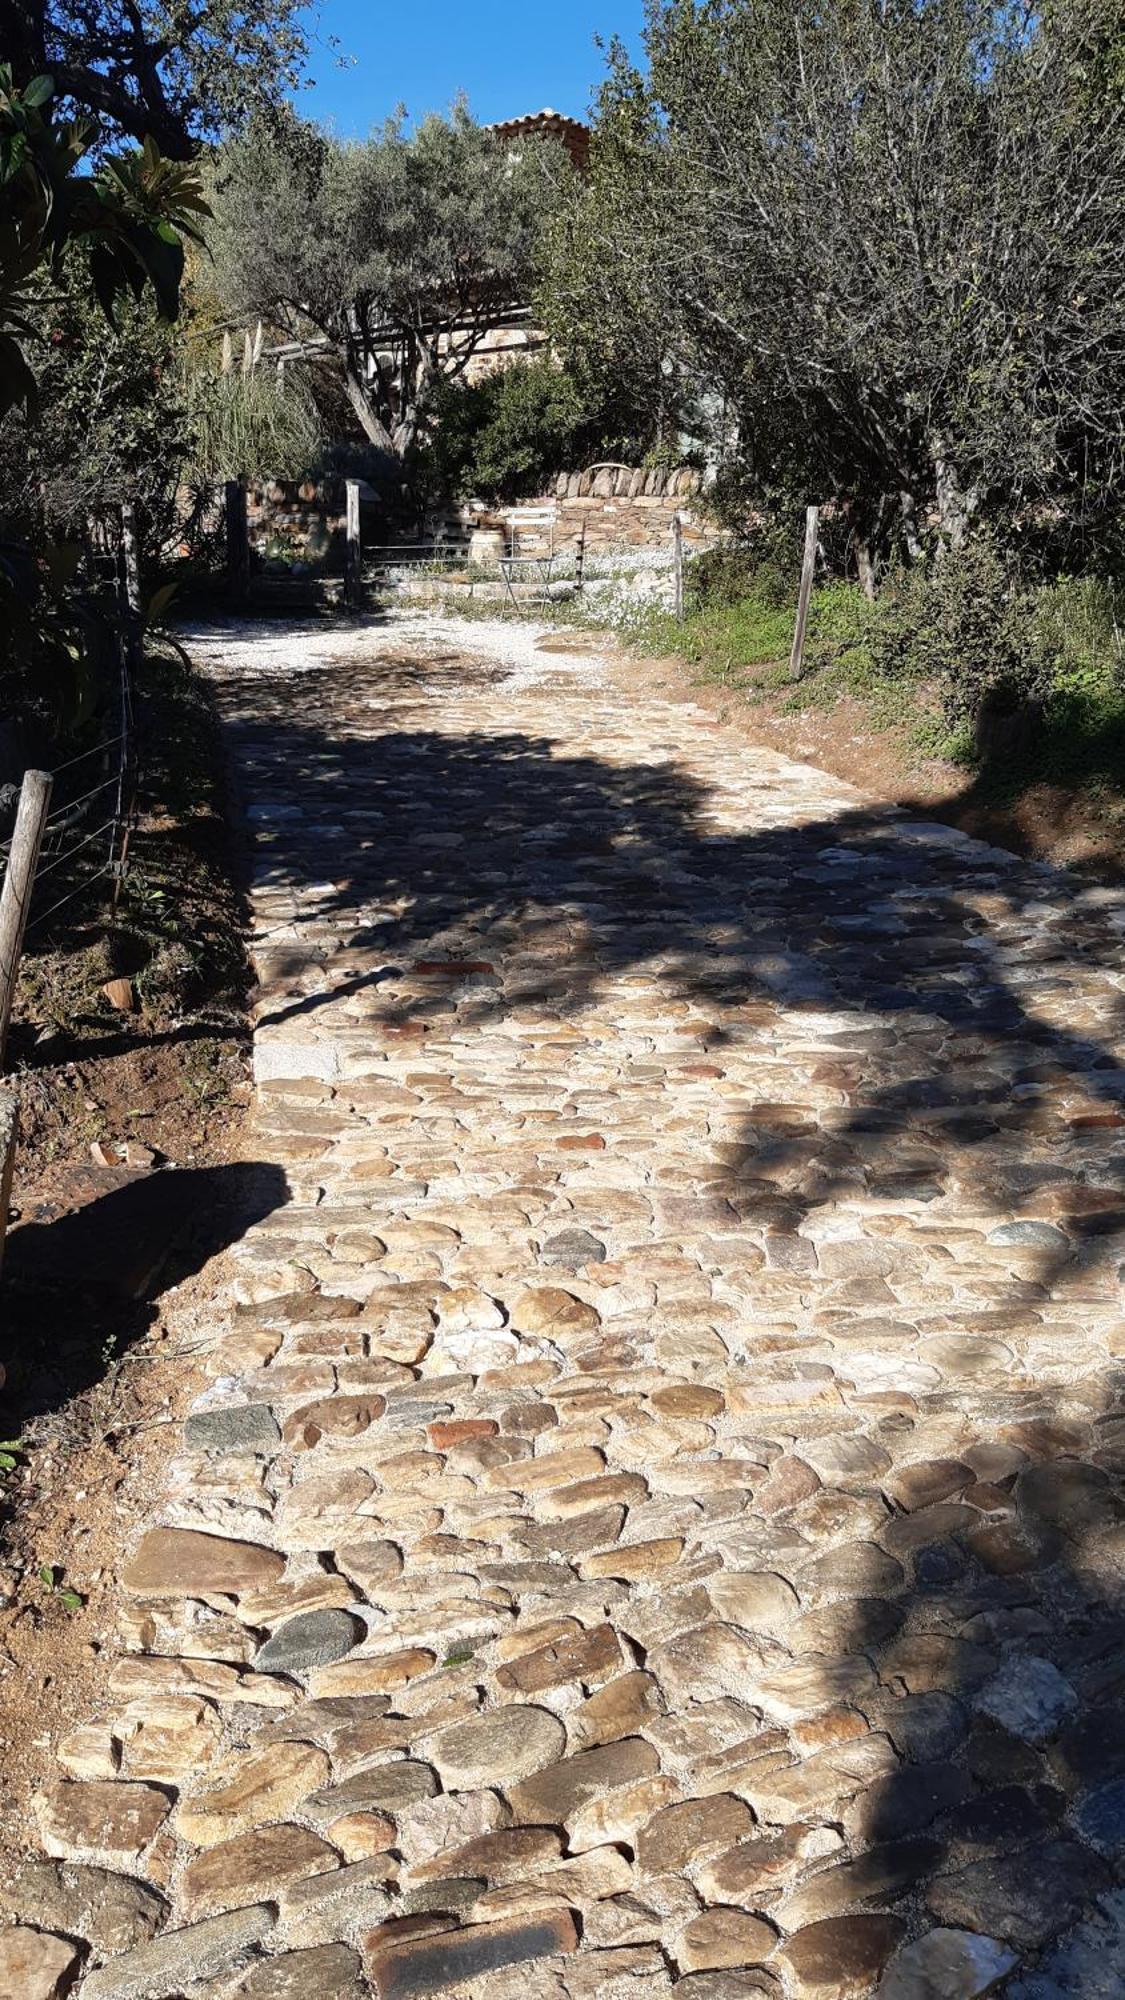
{"x": 374, "y": 429}
{"x": 865, "y": 564}
{"x": 956, "y": 504}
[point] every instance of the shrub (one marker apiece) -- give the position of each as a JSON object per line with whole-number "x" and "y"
{"x": 506, "y": 436}
{"x": 968, "y": 623}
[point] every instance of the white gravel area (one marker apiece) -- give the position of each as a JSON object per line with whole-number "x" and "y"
{"x": 269, "y": 646}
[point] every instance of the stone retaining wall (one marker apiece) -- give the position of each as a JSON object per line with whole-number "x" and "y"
{"x": 618, "y": 506}
{"x": 621, "y": 507}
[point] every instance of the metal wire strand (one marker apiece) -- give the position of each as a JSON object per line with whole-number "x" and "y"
{"x": 83, "y": 754}
{"x": 70, "y": 895}
{"x": 81, "y": 800}
{"x": 49, "y": 866}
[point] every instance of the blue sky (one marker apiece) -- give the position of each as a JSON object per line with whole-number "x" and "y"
{"x": 510, "y": 56}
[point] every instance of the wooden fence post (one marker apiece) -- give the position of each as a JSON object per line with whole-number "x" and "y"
{"x": 131, "y": 557}
{"x": 19, "y": 879}
{"x": 678, "y": 565}
{"x": 808, "y": 565}
{"x": 9, "y": 1133}
{"x": 353, "y": 551}
{"x": 238, "y": 540}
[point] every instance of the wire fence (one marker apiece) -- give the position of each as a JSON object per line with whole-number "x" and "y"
{"x": 85, "y": 837}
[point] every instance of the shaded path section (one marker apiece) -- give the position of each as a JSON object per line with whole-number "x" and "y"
{"x": 657, "y": 1523}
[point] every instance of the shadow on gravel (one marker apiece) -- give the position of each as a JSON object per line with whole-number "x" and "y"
{"x": 82, "y": 1274}
{"x": 950, "y": 1019}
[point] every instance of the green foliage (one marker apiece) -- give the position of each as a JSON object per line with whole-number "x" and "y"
{"x": 966, "y": 622}
{"x": 881, "y": 246}
{"x": 255, "y": 423}
{"x": 178, "y": 74}
{"x": 401, "y": 252}
{"x": 111, "y": 419}
{"x": 506, "y": 436}
{"x": 127, "y": 220}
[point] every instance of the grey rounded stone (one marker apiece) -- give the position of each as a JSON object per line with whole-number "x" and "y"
{"x": 1031, "y": 1236}
{"x": 312, "y": 1639}
{"x": 573, "y": 1249}
{"x": 497, "y": 1748}
{"x": 242, "y": 1427}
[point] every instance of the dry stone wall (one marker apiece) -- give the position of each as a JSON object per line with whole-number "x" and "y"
{"x": 616, "y": 507}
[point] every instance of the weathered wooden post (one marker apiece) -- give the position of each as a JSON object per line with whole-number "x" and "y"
{"x": 131, "y": 558}
{"x": 9, "y": 1133}
{"x": 678, "y": 565}
{"x": 19, "y": 879}
{"x": 238, "y": 540}
{"x": 353, "y": 551}
{"x": 808, "y": 566}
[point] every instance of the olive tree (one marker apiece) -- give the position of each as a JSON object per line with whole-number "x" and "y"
{"x": 400, "y": 253}
{"x": 886, "y": 234}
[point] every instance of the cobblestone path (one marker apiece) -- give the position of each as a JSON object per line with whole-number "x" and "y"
{"x": 657, "y": 1521}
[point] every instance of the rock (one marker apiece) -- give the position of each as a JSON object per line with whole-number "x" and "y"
{"x": 880, "y": 1875}
{"x": 107, "y": 1819}
{"x": 244, "y": 1427}
{"x": 573, "y": 1249}
{"x": 358, "y": 1835}
{"x": 758, "y": 1601}
{"x": 839, "y": 1959}
{"x": 620, "y": 1708}
{"x": 924, "y": 1727}
{"x": 115, "y": 1912}
{"x": 317, "y": 1909}
{"x": 1031, "y": 1236}
{"x": 153, "y": 1971}
{"x": 1029, "y": 1698}
{"x": 924, "y": 1482}
{"x": 369, "y": 1564}
{"x": 1068, "y": 1495}
{"x": 497, "y": 1748}
{"x": 790, "y": 1481}
{"x": 706, "y": 1659}
{"x": 592, "y": 1657}
{"x": 552, "y": 1314}
{"x": 554, "y": 1794}
{"x": 370, "y": 1674}
{"x": 617, "y": 1815}
{"x": 332, "y": 1417}
{"x": 947, "y": 1965}
{"x": 510, "y": 1854}
{"x": 1023, "y": 1898}
{"x": 120, "y": 994}
{"x": 250, "y": 1788}
{"x": 34, "y": 1965}
{"x": 837, "y": 1459}
{"x": 1099, "y": 1818}
{"x": 433, "y": 1826}
{"x": 310, "y": 1640}
{"x": 326, "y": 1972}
{"x": 905, "y": 1802}
{"x": 689, "y": 1832}
{"x": 415, "y": 1967}
{"x": 1087, "y": 1964}
{"x": 251, "y": 1867}
{"x": 179, "y": 1562}
{"x": 723, "y": 1938}
{"x": 380, "y": 1788}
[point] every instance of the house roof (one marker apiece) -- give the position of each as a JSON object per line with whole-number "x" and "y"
{"x": 571, "y": 132}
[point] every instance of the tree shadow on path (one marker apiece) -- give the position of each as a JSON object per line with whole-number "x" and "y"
{"x": 909, "y": 1113}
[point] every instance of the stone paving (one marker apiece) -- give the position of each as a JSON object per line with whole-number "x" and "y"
{"x": 656, "y": 1524}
